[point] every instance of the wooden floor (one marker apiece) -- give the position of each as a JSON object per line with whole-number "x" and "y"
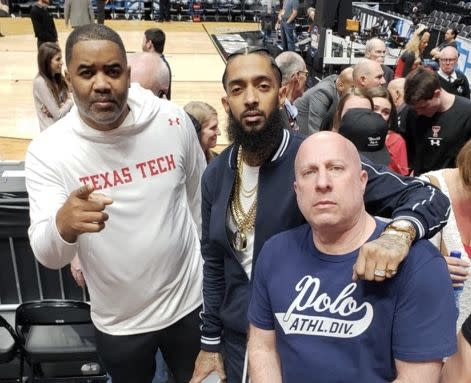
{"x": 196, "y": 66}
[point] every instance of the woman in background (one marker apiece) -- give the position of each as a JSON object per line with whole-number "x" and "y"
{"x": 456, "y": 235}
{"x": 412, "y": 56}
{"x": 50, "y": 92}
{"x": 352, "y": 98}
{"x": 395, "y": 143}
{"x": 205, "y": 120}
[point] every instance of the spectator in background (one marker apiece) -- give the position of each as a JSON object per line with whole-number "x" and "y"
{"x": 311, "y": 14}
{"x": 376, "y": 50}
{"x": 353, "y": 98}
{"x": 316, "y": 107}
{"x": 287, "y": 22}
{"x": 100, "y": 8}
{"x": 396, "y": 90}
{"x": 51, "y": 95}
{"x": 150, "y": 71}
{"x": 412, "y": 56}
{"x": 451, "y": 79}
{"x": 164, "y": 9}
{"x": 43, "y": 23}
{"x": 205, "y": 120}
{"x": 154, "y": 41}
{"x": 78, "y": 13}
{"x": 449, "y": 41}
{"x": 294, "y": 76}
{"x": 438, "y": 124}
{"x": 368, "y": 74}
{"x": 395, "y": 143}
{"x": 455, "y": 183}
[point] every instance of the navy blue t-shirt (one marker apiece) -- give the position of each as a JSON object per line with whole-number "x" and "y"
{"x": 330, "y": 329}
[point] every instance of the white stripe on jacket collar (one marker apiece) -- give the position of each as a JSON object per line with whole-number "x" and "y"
{"x": 280, "y": 151}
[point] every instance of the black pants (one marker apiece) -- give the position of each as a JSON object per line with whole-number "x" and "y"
{"x": 131, "y": 358}
{"x": 234, "y": 348}
{"x": 165, "y": 10}
{"x": 100, "y": 10}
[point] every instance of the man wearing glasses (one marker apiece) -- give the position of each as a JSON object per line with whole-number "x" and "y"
{"x": 294, "y": 76}
{"x": 248, "y": 196}
{"x": 451, "y": 79}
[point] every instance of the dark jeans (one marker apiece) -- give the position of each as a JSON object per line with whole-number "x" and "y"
{"x": 131, "y": 358}
{"x": 288, "y": 36}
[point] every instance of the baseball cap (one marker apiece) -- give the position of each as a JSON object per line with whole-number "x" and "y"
{"x": 367, "y": 130}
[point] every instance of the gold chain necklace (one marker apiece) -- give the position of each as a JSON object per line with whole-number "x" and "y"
{"x": 245, "y": 221}
{"x": 240, "y": 169}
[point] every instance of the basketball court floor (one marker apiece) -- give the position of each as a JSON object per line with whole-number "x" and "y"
{"x": 196, "y": 63}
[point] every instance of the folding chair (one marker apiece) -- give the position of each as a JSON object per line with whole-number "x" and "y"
{"x": 133, "y": 9}
{"x": 8, "y": 341}
{"x": 119, "y": 9}
{"x": 224, "y": 9}
{"x": 57, "y": 341}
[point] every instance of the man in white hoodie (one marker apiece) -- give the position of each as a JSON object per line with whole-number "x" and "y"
{"x": 117, "y": 181}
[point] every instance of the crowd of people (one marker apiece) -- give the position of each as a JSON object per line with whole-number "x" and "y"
{"x": 280, "y": 256}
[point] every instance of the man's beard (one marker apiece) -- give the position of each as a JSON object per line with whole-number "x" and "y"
{"x": 262, "y": 142}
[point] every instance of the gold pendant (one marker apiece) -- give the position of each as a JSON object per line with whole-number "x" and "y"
{"x": 240, "y": 241}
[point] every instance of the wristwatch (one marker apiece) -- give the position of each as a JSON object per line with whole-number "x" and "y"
{"x": 402, "y": 228}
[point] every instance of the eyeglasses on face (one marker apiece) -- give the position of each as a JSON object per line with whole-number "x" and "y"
{"x": 444, "y": 60}
{"x": 304, "y": 72}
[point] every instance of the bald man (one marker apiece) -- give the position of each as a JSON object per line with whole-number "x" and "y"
{"x": 396, "y": 89}
{"x": 150, "y": 71}
{"x": 376, "y": 50}
{"x": 306, "y": 314}
{"x": 316, "y": 107}
{"x": 368, "y": 74}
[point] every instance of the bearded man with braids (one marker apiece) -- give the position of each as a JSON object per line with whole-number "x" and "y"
{"x": 248, "y": 196}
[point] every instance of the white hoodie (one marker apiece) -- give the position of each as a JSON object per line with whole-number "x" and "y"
{"x": 144, "y": 270}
